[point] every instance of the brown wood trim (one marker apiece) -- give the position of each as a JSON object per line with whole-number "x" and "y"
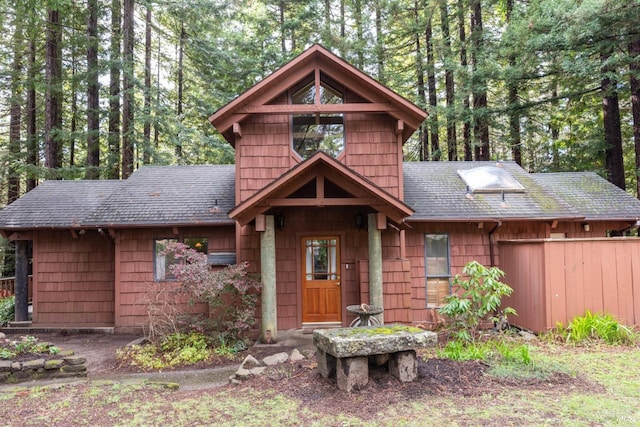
{"x": 321, "y": 201}
{"x": 359, "y": 107}
{"x": 237, "y": 130}
{"x": 21, "y": 235}
{"x": 261, "y": 222}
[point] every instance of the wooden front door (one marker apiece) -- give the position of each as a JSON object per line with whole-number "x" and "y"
{"x": 321, "y": 287}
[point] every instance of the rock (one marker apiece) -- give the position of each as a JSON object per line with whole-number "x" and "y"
{"x": 5, "y": 365}
{"x": 53, "y": 364}
{"x": 66, "y": 353}
{"x": 15, "y": 366}
{"x": 352, "y": 373}
{"x": 404, "y": 366}
{"x": 33, "y": 364}
{"x": 528, "y": 336}
{"x": 235, "y": 381}
{"x": 296, "y": 356}
{"x": 139, "y": 341}
{"x": 259, "y": 370}
{"x": 326, "y": 363}
{"x": 249, "y": 362}
{"x": 2, "y": 336}
{"x": 275, "y": 359}
{"x": 242, "y": 374}
{"x": 75, "y": 360}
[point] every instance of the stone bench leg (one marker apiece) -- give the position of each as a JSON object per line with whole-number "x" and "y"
{"x": 326, "y": 363}
{"x": 404, "y": 365}
{"x": 352, "y": 372}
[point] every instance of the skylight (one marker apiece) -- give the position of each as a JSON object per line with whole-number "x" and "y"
{"x": 490, "y": 179}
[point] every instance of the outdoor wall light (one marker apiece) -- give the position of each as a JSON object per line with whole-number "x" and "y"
{"x": 586, "y": 227}
{"x": 280, "y": 221}
{"x": 359, "y": 220}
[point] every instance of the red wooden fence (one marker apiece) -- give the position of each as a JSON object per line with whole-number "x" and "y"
{"x": 7, "y": 286}
{"x": 557, "y": 280}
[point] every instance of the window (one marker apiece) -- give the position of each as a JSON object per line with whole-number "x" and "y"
{"x": 317, "y": 132}
{"x": 437, "y": 268}
{"x": 162, "y": 261}
{"x": 321, "y": 259}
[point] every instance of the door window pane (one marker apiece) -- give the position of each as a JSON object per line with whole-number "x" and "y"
{"x": 321, "y": 259}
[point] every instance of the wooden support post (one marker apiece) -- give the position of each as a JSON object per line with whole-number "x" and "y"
{"x": 269, "y": 324}
{"x": 375, "y": 265}
{"x": 22, "y": 284}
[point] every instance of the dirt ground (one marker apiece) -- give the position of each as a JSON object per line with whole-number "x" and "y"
{"x": 302, "y": 381}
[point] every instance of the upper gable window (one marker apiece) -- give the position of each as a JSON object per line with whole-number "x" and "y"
{"x": 318, "y": 132}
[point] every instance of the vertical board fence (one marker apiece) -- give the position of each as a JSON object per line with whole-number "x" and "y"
{"x": 557, "y": 280}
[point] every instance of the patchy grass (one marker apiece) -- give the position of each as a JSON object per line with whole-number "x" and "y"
{"x": 604, "y": 391}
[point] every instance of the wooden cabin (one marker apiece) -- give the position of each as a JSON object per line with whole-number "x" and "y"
{"x": 322, "y": 205}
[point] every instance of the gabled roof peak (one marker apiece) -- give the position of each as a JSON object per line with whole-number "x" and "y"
{"x": 316, "y": 60}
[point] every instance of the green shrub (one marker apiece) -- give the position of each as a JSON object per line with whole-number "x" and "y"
{"x": 596, "y": 327}
{"x": 475, "y": 299}
{"x": 174, "y": 350}
{"x": 7, "y": 310}
{"x": 26, "y": 345}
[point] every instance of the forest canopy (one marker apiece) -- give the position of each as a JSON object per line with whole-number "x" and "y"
{"x": 94, "y": 89}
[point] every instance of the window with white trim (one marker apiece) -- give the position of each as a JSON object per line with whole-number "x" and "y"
{"x": 437, "y": 268}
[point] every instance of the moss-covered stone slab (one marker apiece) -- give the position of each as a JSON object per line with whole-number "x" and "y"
{"x": 53, "y": 364}
{"x": 5, "y": 365}
{"x": 372, "y": 340}
{"x": 75, "y": 360}
{"x": 33, "y": 364}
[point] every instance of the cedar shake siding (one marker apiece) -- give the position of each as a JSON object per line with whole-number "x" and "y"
{"x": 135, "y": 285}
{"x": 73, "y": 279}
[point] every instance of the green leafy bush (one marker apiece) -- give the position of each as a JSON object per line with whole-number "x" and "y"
{"x": 476, "y": 299}
{"x": 7, "y": 310}
{"x": 596, "y": 327}
{"x": 26, "y": 345}
{"x": 174, "y": 350}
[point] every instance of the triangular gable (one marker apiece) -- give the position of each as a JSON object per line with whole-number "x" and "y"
{"x": 379, "y": 98}
{"x": 321, "y": 166}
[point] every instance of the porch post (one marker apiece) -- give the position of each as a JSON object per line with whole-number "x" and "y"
{"x": 21, "y": 287}
{"x": 375, "y": 264}
{"x": 269, "y": 324}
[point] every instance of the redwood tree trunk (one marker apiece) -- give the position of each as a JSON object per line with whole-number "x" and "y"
{"x": 128, "y": 100}
{"x": 15, "y": 116}
{"x": 634, "y": 85}
{"x": 480, "y": 124}
{"x": 183, "y": 36}
{"x": 612, "y": 132}
{"x": 433, "y": 98}
{"x": 466, "y": 105}
{"x": 146, "y": 155}
{"x": 53, "y": 98}
{"x": 422, "y": 96}
{"x": 113, "y": 161}
{"x": 452, "y": 143}
{"x": 32, "y": 141}
{"x": 93, "y": 96}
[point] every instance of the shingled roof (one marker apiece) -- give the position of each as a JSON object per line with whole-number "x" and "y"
{"x": 152, "y": 196}
{"x": 591, "y": 195}
{"x": 57, "y": 204}
{"x": 437, "y": 193}
{"x": 205, "y": 194}
{"x": 170, "y": 195}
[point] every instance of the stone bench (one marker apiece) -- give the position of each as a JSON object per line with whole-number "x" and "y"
{"x": 347, "y": 352}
